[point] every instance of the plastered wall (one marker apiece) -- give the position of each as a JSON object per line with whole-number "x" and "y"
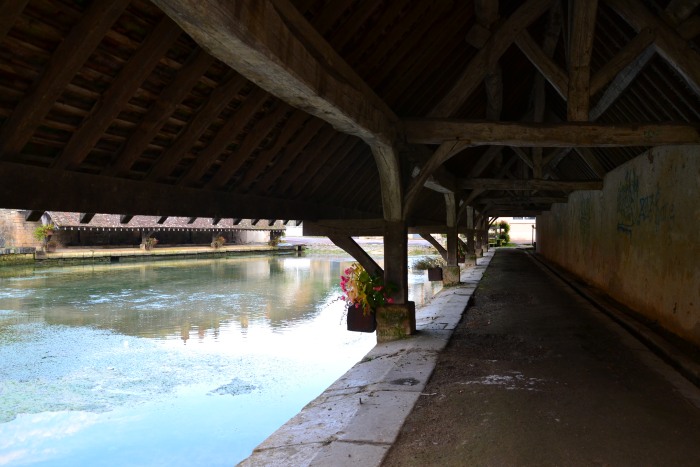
{"x": 639, "y": 238}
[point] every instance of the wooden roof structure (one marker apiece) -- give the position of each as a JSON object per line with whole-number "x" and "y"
{"x": 335, "y": 109}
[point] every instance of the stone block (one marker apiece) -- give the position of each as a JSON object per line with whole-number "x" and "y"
{"x": 396, "y": 321}
{"x": 450, "y": 275}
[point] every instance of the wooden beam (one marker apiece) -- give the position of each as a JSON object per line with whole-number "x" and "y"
{"x": 64, "y": 63}
{"x": 161, "y": 110}
{"x": 443, "y": 153}
{"x": 522, "y": 201}
{"x": 9, "y": 12}
{"x": 524, "y": 185}
{"x": 115, "y": 98}
{"x": 620, "y": 83}
{"x": 191, "y": 220}
{"x": 345, "y": 227}
{"x": 497, "y": 44}
{"x": 162, "y": 219}
{"x": 591, "y": 161}
{"x": 290, "y": 155}
{"x": 583, "y": 16}
{"x": 86, "y": 217}
{"x": 677, "y": 51}
{"x": 33, "y": 216}
{"x": 95, "y": 193}
{"x": 679, "y": 10}
{"x": 440, "y": 249}
{"x": 263, "y": 159}
{"x": 250, "y": 143}
{"x": 356, "y": 251}
{"x": 217, "y": 102}
{"x": 544, "y": 64}
{"x": 439, "y": 131}
{"x": 623, "y": 59}
{"x": 125, "y": 218}
{"x": 523, "y": 156}
{"x": 215, "y": 220}
{"x": 227, "y": 134}
{"x": 272, "y": 45}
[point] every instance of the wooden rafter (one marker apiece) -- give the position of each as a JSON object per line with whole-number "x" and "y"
{"x": 9, "y": 12}
{"x": 497, "y": 44}
{"x": 265, "y": 157}
{"x": 225, "y": 135}
{"x": 283, "y": 162}
{"x": 324, "y": 143}
{"x": 217, "y": 102}
{"x": 326, "y": 174}
{"x": 252, "y": 140}
{"x": 65, "y": 62}
{"x": 623, "y": 59}
{"x": 670, "y": 45}
{"x": 160, "y": 111}
{"x": 130, "y": 78}
{"x": 439, "y": 131}
{"x": 544, "y": 63}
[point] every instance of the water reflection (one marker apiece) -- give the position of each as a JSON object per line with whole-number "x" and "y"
{"x": 94, "y": 356}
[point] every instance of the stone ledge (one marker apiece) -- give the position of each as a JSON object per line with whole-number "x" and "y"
{"x": 357, "y": 419}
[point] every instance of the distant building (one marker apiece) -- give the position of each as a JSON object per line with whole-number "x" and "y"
{"x": 113, "y": 230}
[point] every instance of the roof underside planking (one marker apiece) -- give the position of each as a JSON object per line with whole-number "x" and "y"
{"x": 117, "y": 107}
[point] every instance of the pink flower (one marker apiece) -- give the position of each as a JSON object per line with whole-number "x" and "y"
{"x": 348, "y": 271}
{"x": 390, "y": 300}
{"x": 357, "y": 305}
{"x": 378, "y": 288}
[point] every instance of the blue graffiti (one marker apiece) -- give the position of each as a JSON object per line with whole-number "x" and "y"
{"x": 634, "y": 210}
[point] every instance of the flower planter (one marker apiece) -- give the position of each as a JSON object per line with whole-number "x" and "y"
{"x": 434, "y": 274}
{"x": 359, "y": 322}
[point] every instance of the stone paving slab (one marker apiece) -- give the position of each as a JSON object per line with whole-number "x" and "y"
{"x": 357, "y": 419}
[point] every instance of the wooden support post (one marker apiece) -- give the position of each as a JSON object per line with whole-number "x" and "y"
{"x": 396, "y": 259}
{"x": 353, "y": 249}
{"x": 471, "y": 250}
{"x": 397, "y": 320}
{"x": 452, "y": 246}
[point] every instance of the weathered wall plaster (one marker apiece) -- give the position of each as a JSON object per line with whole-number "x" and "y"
{"x": 639, "y": 238}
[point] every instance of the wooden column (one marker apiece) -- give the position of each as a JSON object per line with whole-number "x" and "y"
{"x": 470, "y": 232}
{"x": 396, "y": 259}
{"x": 397, "y": 320}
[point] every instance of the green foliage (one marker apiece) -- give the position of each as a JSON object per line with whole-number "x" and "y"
{"x": 503, "y": 229}
{"x": 42, "y": 232}
{"x": 275, "y": 237}
{"x": 427, "y": 263}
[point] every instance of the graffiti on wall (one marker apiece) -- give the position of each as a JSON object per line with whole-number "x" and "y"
{"x": 635, "y": 208}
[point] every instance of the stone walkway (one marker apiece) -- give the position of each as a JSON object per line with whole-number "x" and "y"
{"x": 536, "y": 375}
{"x": 357, "y": 419}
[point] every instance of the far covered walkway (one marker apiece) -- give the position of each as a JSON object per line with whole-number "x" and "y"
{"x": 534, "y": 375}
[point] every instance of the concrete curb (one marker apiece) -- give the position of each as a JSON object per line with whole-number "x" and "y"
{"x": 357, "y": 419}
